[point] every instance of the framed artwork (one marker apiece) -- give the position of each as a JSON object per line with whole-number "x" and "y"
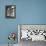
{"x": 32, "y": 32}
{"x": 10, "y": 11}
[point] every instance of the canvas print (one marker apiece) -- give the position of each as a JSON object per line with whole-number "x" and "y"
{"x": 10, "y": 11}
{"x": 30, "y": 35}
{"x": 33, "y": 32}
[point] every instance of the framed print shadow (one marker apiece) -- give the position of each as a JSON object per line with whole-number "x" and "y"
{"x": 10, "y": 11}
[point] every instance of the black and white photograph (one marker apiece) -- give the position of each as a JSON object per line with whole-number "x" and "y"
{"x": 10, "y": 11}
{"x": 31, "y": 34}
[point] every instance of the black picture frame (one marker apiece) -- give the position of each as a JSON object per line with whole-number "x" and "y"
{"x": 10, "y": 11}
